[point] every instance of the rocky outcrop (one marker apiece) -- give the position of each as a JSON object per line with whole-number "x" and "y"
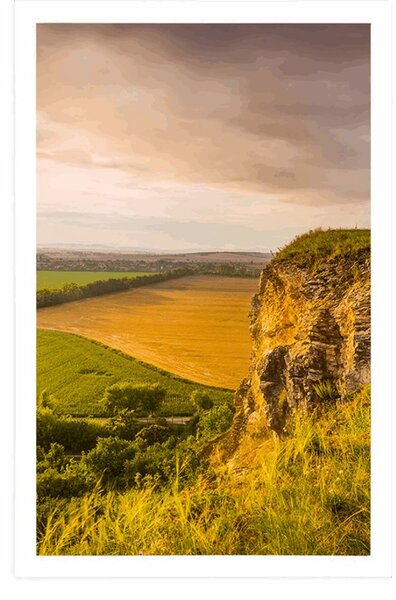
{"x": 310, "y": 328}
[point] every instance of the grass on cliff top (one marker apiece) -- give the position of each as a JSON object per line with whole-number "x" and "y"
{"x": 318, "y": 245}
{"x": 309, "y": 495}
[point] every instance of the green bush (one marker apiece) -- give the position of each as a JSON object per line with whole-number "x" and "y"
{"x": 215, "y": 421}
{"x": 153, "y": 434}
{"x": 75, "y": 435}
{"x": 107, "y": 460}
{"x": 55, "y": 458}
{"x": 124, "y": 425}
{"x": 156, "y": 460}
{"x": 141, "y": 398}
{"x": 71, "y": 482}
{"x": 201, "y": 400}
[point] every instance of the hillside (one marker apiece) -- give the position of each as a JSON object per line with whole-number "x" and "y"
{"x": 77, "y": 371}
{"x": 307, "y": 495}
{"x": 310, "y": 329}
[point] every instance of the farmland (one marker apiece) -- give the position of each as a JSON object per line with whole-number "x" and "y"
{"x": 76, "y": 371}
{"x": 195, "y": 327}
{"x": 240, "y": 263}
{"x": 57, "y": 279}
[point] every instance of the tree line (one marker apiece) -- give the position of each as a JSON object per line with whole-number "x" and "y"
{"x": 71, "y": 291}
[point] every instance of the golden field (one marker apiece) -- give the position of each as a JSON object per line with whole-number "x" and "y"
{"x": 195, "y": 327}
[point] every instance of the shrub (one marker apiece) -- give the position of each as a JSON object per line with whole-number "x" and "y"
{"x": 71, "y": 482}
{"x": 201, "y": 400}
{"x": 124, "y": 425}
{"x": 154, "y": 434}
{"x": 107, "y": 460}
{"x": 156, "y": 460}
{"x": 53, "y": 459}
{"x": 143, "y": 399}
{"x": 215, "y": 421}
{"x": 75, "y": 435}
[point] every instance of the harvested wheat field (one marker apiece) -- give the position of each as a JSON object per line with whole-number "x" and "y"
{"x": 195, "y": 327}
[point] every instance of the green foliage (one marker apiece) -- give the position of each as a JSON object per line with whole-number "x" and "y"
{"x": 51, "y": 280}
{"x": 153, "y": 434}
{"x": 77, "y": 371}
{"x": 71, "y": 291}
{"x": 308, "y": 494}
{"x": 123, "y": 424}
{"x": 215, "y": 421}
{"x": 157, "y": 461}
{"x": 139, "y": 454}
{"x": 75, "y": 435}
{"x": 70, "y": 482}
{"x": 201, "y": 400}
{"x": 108, "y": 459}
{"x": 141, "y": 398}
{"x": 326, "y": 391}
{"x": 55, "y": 458}
{"x": 318, "y": 245}
{"x": 121, "y": 464}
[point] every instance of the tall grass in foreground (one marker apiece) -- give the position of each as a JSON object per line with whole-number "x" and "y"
{"x": 309, "y": 494}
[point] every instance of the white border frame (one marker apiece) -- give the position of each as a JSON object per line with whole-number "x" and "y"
{"x": 27, "y": 14}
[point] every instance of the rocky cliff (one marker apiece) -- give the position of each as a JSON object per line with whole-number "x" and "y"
{"x": 310, "y": 328}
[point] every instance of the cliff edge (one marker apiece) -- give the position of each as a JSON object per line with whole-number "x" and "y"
{"x": 310, "y": 329}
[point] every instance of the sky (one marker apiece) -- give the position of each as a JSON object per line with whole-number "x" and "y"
{"x": 201, "y": 137}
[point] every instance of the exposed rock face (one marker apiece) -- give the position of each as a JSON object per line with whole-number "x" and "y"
{"x": 311, "y": 336}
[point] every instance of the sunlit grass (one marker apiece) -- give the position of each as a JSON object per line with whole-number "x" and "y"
{"x": 318, "y": 244}
{"x": 56, "y": 279}
{"x": 309, "y": 495}
{"x": 77, "y": 371}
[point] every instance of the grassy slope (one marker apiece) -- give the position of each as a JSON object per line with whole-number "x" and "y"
{"x": 62, "y": 356}
{"x": 56, "y": 279}
{"x": 316, "y": 246}
{"x": 309, "y": 496}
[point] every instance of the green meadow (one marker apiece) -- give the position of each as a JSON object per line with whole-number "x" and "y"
{"x": 76, "y": 371}
{"x": 56, "y": 279}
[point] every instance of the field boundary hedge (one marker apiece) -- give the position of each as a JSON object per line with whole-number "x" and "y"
{"x": 71, "y": 292}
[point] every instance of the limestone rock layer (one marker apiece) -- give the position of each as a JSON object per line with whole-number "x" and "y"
{"x": 310, "y": 329}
